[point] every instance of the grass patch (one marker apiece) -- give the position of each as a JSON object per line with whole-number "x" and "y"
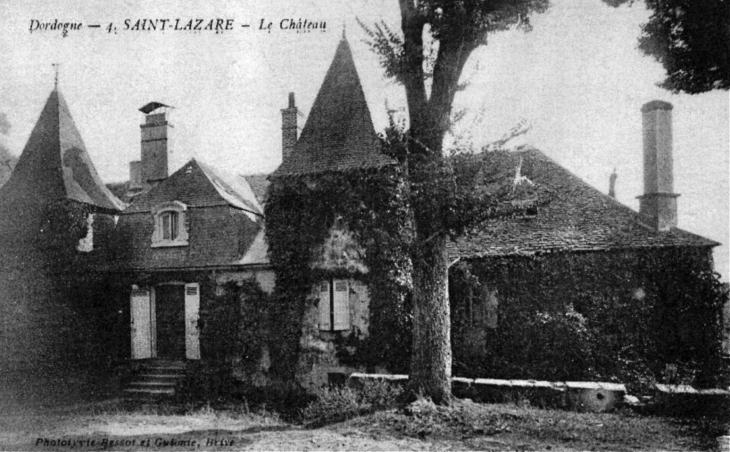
{"x": 485, "y": 426}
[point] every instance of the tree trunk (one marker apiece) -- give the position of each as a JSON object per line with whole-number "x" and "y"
{"x": 431, "y": 356}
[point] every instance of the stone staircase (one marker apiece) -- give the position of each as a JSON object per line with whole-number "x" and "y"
{"x": 155, "y": 379}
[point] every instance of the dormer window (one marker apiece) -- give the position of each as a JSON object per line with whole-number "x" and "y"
{"x": 170, "y": 224}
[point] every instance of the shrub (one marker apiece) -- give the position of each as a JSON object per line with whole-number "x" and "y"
{"x": 379, "y": 394}
{"x": 335, "y": 404}
{"x": 332, "y": 405}
{"x": 287, "y": 400}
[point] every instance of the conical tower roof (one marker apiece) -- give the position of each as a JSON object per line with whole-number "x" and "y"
{"x": 339, "y": 133}
{"x": 55, "y": 166}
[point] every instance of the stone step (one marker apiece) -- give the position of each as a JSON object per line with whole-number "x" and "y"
{"x": 155, "y": 379}
{"x": 149, "y": 392}
{"x": 163, "y": 368}
{"x": 152, "y": 384}
{"x": 161, "y": 377}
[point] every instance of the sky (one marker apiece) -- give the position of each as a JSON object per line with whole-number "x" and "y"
{"x": 578, "y": 79}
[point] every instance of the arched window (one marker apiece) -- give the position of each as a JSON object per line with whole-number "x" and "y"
{"x": 170, "y": 224}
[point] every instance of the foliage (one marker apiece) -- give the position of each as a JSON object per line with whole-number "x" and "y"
{"x": 612, "y": 316}
{"x": 232, "y": 323}
{"x": 379, "y": 394}
{"x": 285, "y": 399}
{"x": 301, "y": 215}
{"x": 437, "y": 39}
{"x": 335, "y": 404}
{"x": 232, "y": 334}
{"x": 690, "y": 40}
{"x": 366, "y": 220}
{"x": 54, "y": 303}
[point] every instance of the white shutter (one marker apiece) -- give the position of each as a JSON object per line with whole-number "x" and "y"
{"x": 139, "y": 308}
{"x": 324, "y": 306}
{"x": 192, "y": 309}
{"x": 342, "y": 305}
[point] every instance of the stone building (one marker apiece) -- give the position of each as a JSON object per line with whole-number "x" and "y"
{"x": 586, "y": 258}
{"x": 52, "y": 209}
{"x": 144, "y": 272}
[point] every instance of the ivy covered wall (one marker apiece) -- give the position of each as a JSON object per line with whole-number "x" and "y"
{"x": 301, "y": 213}
{"x": 608, "y": 315}
{"x": 58, "y": 321}
{"x": 613, "y": 315}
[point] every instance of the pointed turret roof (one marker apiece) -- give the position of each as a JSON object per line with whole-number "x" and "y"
{"x": 339, "y": 133}
{"x": 54, "y": 164}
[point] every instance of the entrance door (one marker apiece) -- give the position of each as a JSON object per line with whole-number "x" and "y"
{"x": 140, "y": 324}
{"x": 170, "y": 315}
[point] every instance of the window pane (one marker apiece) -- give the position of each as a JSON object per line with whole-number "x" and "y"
{"x": 173, "y": 225}
{"x": 166, "y": 226}
{"x": 170, "y": 225}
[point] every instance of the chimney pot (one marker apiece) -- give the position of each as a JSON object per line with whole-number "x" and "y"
{"x": 658, "y": 204}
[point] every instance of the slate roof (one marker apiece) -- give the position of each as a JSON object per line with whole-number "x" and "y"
{"x": 7, "y": 163}
{"x": 579, "y": 218}
{"x": 224, "y": 221}
{"x": 219, "y": 236}
{"x": 339, "y": 133}
{"x": 54, "y": 164}
{"x": 259, "y": 184}
{"x": 198, "y": 185}
{"x": 120, "y": 190}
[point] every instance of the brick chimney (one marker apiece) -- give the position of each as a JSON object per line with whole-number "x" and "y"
{"x": 658, "y": 204}
{"x": 135, "y": 175}
{"x": 612, "y": 184}
{"x": 289, "y": 128}
{"x": 154, "y": 148}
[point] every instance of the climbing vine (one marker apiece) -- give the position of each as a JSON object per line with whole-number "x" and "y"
{"x": 372, "y": 207}
{"x": 618, "y": 315}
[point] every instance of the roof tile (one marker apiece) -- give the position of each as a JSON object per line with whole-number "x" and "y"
{"x": 55, "y": 165}
{"x": 339, "y": 133}
{"x": 578, "y": 218}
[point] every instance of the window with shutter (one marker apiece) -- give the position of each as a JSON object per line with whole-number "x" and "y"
{"x": 334, "y": 305}
{"x": 341, "y": 306}
{"x": 325, "y": 322}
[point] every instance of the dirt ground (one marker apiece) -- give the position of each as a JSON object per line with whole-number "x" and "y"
{"x": 466, "y": 426}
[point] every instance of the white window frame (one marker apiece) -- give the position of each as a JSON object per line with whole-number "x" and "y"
{"x": 158, "y": 213}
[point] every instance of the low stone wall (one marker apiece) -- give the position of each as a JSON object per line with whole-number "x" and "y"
{"x": 684, "y": 399}
{"x": 573, "y": 395}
